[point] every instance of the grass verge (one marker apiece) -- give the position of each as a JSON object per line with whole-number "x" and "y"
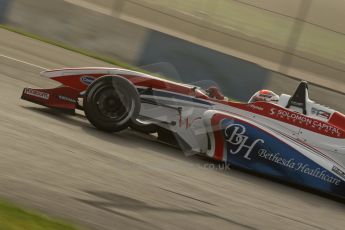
{"x": 14, "y": 218}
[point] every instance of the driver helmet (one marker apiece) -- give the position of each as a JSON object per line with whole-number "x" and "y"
{"x": 264, "y": 95}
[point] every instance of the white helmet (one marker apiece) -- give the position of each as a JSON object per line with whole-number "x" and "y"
{"x": 264, "y": 95}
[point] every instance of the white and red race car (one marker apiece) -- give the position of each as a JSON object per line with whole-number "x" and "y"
{"x": 294, "y": 140}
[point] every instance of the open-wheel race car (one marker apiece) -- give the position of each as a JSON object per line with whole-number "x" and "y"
{"x": 292, "y": 138}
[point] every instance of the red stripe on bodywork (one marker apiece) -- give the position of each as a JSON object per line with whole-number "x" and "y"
{"x": 333, "y": 128}
{"x": 218, "y": 136}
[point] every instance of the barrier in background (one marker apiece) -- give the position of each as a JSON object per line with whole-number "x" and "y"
{"x": 110, "y": 36}
{"x": 4, "y": 4}
{"x": 107, "y": 35}
{"x": 292, "y": 37}
{"x": 79, "y": 27}
{"x": 237, "y": 78}
{"x": 280, "y": 83}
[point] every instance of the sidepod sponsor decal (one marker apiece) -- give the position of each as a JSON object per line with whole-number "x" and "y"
{"x": 252, "y": 148}
{"x": 307, "y": 122}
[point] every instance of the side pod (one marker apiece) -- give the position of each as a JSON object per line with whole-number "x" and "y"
{"x": 245, "y": 144}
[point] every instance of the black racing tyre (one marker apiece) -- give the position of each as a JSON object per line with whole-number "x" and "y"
{"x": 143, "y": 126}
{"x": 111, "y": 102}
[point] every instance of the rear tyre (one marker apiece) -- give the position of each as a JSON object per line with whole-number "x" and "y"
{"x": 111, "y": 103}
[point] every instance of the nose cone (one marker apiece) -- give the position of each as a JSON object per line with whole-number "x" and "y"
{"x": 51, "y": 73}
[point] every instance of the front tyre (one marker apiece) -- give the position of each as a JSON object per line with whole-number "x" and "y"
{"x": 111, "y": 102}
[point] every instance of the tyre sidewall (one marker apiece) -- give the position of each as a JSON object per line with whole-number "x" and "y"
{"x": 119, "y": 84}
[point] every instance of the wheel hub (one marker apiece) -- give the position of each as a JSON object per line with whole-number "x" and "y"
{"x": 111, "y": 105}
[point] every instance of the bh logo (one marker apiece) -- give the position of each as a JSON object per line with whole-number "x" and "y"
{"x": 238, "y": 141}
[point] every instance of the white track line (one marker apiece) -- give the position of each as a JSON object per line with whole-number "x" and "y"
{"x": 24, "y": 62}
{"x": 91, "y": 6}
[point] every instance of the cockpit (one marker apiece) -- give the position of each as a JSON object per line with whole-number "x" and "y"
{"x": 211, "y": 89}
{"x": 298, "y": 102}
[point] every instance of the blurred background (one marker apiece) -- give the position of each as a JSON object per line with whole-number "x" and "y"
{"x": 243, "y": 45}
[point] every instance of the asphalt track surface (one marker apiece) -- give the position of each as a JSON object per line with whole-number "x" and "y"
{"x": 62, "y": 166}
